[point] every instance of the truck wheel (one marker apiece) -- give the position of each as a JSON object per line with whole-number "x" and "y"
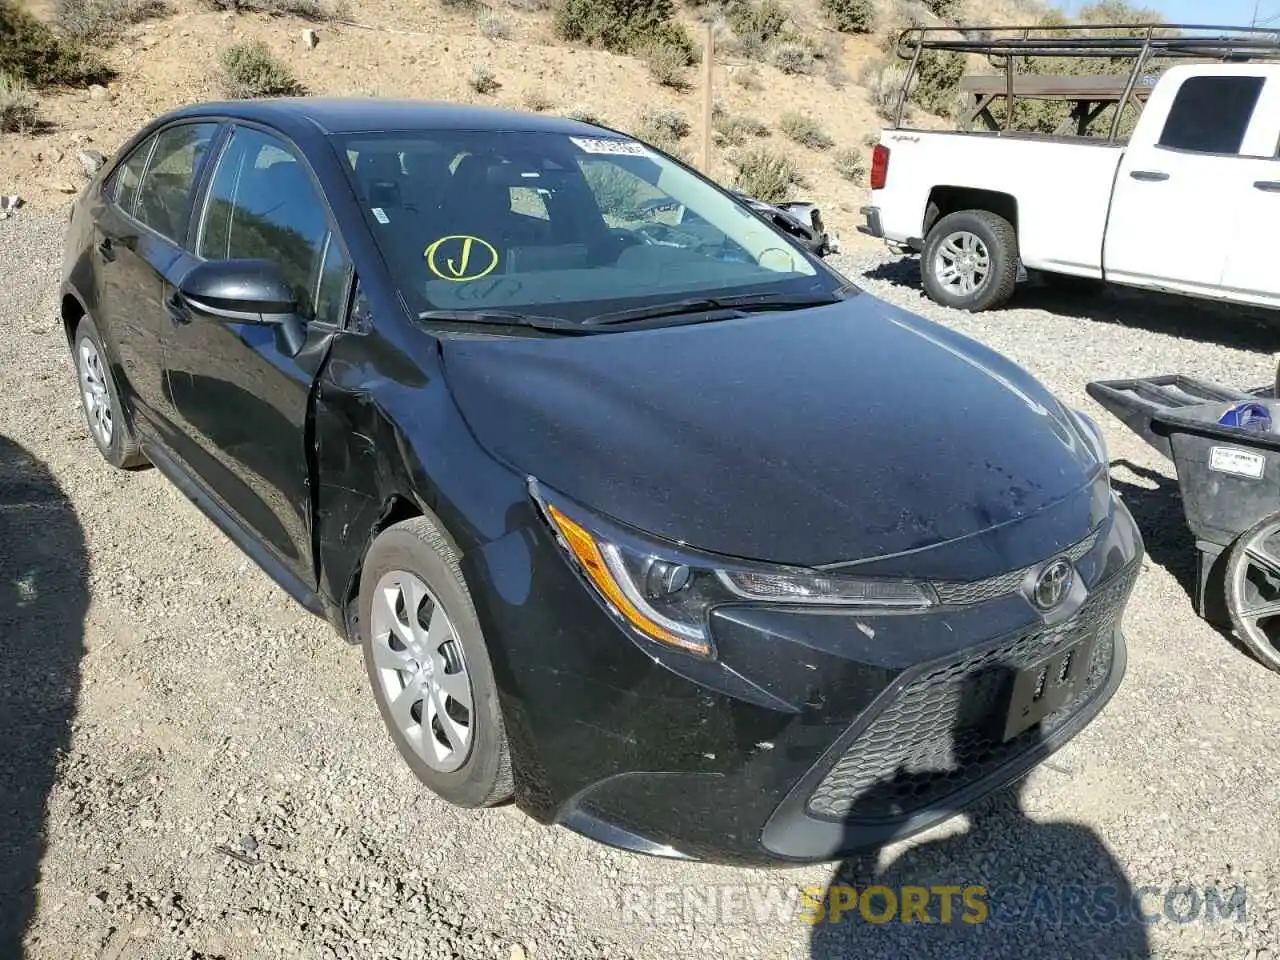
{"x": 970, "y": 261}
{"x": 1253, "y": 590}
{"x": 429, "y": 667}
{"x": 101, "y": 402}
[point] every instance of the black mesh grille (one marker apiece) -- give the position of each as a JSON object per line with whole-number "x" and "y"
{"x": 944, "y": 729}
{"x": 979, "y": 591}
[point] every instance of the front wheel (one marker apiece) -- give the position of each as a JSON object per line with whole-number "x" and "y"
{"x": 100, "y": 400}
{"x": 970, "y": 261}
{"x": 429, "y": 667}
{"x": 1253, "y": 590}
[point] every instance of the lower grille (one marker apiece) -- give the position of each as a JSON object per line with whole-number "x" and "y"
{"x": 943, "y": 731}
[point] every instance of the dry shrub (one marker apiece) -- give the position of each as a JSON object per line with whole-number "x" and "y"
{"x": 249, "y": 70}
{"x": 766, "y": 174}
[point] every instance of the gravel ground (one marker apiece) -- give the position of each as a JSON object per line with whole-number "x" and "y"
{"x": 192, "y": 767}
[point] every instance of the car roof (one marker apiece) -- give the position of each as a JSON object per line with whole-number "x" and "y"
{"x": 341, "y": 115}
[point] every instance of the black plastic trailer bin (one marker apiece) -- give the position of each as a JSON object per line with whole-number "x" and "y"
{"x": 1229, "y": 479}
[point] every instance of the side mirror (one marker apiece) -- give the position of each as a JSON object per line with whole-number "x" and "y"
{"x": 242, "y": 291}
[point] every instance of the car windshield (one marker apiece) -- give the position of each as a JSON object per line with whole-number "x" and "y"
{"x": 560, "y": 226}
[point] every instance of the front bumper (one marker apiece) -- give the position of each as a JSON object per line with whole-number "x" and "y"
{"x": 813, "y": 735}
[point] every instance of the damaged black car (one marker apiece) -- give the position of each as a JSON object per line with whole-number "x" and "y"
{"x": 633, "y": 503}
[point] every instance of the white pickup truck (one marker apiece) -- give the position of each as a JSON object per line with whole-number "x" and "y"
{"x": 1190, "y": 205}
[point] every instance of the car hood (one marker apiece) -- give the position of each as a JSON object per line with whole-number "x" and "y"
{"x": 816, "y": 437}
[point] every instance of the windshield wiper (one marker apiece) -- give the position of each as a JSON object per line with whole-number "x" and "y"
{"x": 739, "y": 303}
{"x": 503, "y": 318}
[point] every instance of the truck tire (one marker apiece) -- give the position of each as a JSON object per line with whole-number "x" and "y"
{"x": 432, "y": 677}
{"x": 970, "y": 261}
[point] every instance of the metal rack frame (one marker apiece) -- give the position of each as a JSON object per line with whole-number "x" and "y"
{"x": 1005, "y": 45}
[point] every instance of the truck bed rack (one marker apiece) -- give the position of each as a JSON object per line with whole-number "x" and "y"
{"x": 1146, "y": 46}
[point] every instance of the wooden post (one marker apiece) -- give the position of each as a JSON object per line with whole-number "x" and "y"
{"x": 708, "y": 60}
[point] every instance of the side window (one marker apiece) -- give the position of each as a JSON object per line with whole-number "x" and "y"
{"x": 262, "y": 206}
{"x": 124, "y": 183}
{"x": 164, "y": 197}
{"x": 331, "y": 291}
{"x": 1211, "y": 114}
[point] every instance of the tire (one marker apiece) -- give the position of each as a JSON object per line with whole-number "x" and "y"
{"x": 467, "y": 764}
{"x": 978, "y": 237}
{"x": 1249, "y": 583}
{"x": 100, "y": 400}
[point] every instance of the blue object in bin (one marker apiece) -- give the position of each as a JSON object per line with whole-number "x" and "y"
{"x": 1248, "y": 416}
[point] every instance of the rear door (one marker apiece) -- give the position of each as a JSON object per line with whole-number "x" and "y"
{"x": 1251, "y": 273}
{"x": 1171, "y": 218}
{"x": 241, "y": 400}
{"x": 139, "y": 241}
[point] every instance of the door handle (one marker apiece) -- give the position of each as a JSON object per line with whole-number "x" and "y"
{"x": 106, "y": 249}
{"x": 176, "y": 309}
{"x": 1149, "y": 176}
{"x": 1267, "y": 186}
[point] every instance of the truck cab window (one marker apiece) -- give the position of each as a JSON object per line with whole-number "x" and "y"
{"x": 1211, "y": 114}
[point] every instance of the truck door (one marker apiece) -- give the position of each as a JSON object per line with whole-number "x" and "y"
{"x": 1254, "y": 199}
{"x": 1170, "y": 218}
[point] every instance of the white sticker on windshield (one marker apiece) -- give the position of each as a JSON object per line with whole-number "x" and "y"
{"x": 380, "y": 215}
{"x": 610, "y": 145}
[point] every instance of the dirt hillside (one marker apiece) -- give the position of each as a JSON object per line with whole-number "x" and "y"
{"x": 424, "y": 49}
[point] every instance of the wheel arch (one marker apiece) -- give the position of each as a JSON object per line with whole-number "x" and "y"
{"x": 944, "y": 200}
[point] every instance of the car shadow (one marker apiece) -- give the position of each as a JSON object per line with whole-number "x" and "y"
{"x": 1008, "y": 886}
{"x": 1228, "y": 325}
{"x": 43, "y": 598}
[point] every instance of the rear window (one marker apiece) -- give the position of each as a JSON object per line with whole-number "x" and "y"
{"x": 1211, "y": 114}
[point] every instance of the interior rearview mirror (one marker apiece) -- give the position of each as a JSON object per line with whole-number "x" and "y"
{"x": 243, "y": 291}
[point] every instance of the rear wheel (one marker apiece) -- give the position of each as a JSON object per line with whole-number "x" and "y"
{"x": 101, "y": 401}
{"x": 1253, "y": 590}
{"x": 970, "y": 261}
{"x": 429, "y": 667}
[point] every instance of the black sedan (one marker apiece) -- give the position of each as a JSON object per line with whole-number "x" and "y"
{"x": 662, "y": 529}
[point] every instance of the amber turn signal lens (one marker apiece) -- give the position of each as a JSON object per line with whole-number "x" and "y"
{"x": 583, "y": 547}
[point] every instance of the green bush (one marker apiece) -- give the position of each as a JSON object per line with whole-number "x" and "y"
{"x": 848, "y": 163}
{"x": 850, "y": 16}
{"x": 306, "y": 9}
{"x": 937, "y": 81}
{"x": 102, "y": 20}
{"x": 756, "y": 24}
{"x": 666, "y": 64}
{"x": 883, "y": 81}
{"x": 493, "y": 25}
{"x": 249, "y": 70}
{"x": 537, "y": 101}
{"x": 18, "y": 108}
{"x": 482, "y": 79}
{"x": 620, "y": 26}
{"x": 794, "y": 58}
{"x": 672, "y": 124}
{"x": 805, "y": 131}
{"x": 34, "y": 54}
{"x": 735, "y": 130}
{"x": 766, "y": 175}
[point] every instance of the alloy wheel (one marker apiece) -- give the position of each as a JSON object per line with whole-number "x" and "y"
{"x": 94, "y": 392}
{"x": 422, "y": 671}
{"x": 962, "y": 263}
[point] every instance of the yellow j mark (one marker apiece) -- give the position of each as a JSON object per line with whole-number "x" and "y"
{"x": 473, "y": 258}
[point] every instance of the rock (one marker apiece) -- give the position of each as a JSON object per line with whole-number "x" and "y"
{"x": 248, "y": 844}
{"x": 98, "y": 92}
{"x": 518, "y": 952}
{"x": 66, "y": 186}
{"x": 91, "y": 161}
{"x": 310, "y": 38}
{"x": 9, "y": 204}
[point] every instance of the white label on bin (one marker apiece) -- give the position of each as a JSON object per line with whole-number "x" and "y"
{"x": 1240, "y": 462}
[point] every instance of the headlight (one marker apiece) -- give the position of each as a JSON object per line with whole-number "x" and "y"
{"x": 665, "y": 594}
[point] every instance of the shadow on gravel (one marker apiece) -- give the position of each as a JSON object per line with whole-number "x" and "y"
{"x": 1008, "y": 887}
{"x": 1159, "y": 514}
{"x": 43, "y": 597}
{"x": 1230, "y": 326}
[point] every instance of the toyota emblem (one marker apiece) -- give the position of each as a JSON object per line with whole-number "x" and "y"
{"x": 1053, "y": 584}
